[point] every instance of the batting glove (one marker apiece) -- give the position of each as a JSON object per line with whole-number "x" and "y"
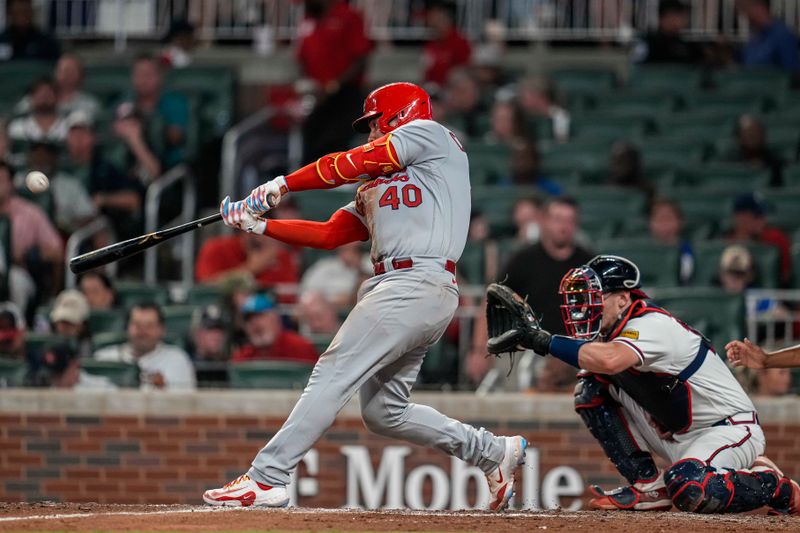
{"x": 237, "y": 215}
{"x": 267, "y": 196}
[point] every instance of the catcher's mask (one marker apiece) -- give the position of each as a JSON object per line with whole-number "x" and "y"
{"x": 582, "y": 303}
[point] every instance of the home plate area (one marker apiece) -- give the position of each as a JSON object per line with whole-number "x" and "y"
{"x": 97, "y": 517}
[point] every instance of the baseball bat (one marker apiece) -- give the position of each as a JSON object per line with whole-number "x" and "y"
{"x": 121, "y": 250}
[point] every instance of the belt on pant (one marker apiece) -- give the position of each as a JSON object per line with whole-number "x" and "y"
{"x": 402, "y": 263}
{"x": 746, "y": 417}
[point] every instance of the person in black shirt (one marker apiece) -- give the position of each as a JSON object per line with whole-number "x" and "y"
{"x": 535, "y": 271}
{"x": 752, "y": 148}
{"x": 666, "y": 45}
{"x": 22, "y": 40}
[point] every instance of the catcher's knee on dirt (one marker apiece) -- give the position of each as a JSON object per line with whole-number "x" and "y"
{"x": 696, "y": 487}
{"x": 603, "y": 416}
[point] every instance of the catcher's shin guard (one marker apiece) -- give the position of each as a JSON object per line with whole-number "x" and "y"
{"x": 603, "y": 416}
{"x": 698, "y": 488}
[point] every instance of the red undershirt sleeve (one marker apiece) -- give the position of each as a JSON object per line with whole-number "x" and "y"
{"x": 341, "y": 228}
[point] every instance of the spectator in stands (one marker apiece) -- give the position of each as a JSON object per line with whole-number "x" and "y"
{"x": 535, "y": 271}
{"x": 338, "y": 276}
{"x": 72, "y": 206}
{"x": 209, "y": 335}
{"x": 42, "y": 123}
{"x": 268, "y": 260}
{"x": 737, "y": 271}
{"x": 665, "y": 222}
{"x": 752, "y": 149}
{"x": 667, "y": 43}
{"x": 771, "y": 43}
{"x": 98, "y": 290}
{"x": 36, "y": 248}
{"x": 538, "y": 100}
{"x": 479, "y": 229}
{"x": 625, "y": 168}
{"x": 773, "y": 382}
{"x": 113, "y": 192}
{"x": 333, "y": 48}
{"x": 237, "y": 286}
{"x": 163, "y": 366}
{"x": 179, "y": 45}
{"x": 152, "y": 122}
{"x": 526, "y": 168}
{"x": 12, "y": 331}
{"x": 463, "y": 108}
{"x": 750, "y": 224}
{"x": 507, "y": 122}
{"x": 266, "y": 337}
{"x": 59, "y": 367}
{"x": 22, "y": 40}
{"x": 448, "y": 49}
{"x": 68, "y": 77}
{"x": 527, "y": 217}
{"x": 317, "y": 315}
{"x": 68, "y": 318}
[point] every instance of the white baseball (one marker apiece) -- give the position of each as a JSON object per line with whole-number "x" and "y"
{"x": 37, "y": 182}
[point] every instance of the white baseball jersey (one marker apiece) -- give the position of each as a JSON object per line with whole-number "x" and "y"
{"x": 664, "y": 345}
{"x": 422, "y": 210}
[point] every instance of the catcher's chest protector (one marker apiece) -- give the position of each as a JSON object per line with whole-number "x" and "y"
{"x": 666, "y": 397}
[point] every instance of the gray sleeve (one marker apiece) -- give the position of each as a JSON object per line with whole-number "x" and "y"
{"x": 353, "y": 210}
{"x": 420, "y": 141}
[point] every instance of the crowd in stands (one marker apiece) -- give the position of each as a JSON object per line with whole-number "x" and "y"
{"x": 557, "y": 177}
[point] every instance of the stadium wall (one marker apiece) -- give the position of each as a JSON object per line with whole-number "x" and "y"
{"x": 134, "y": 447}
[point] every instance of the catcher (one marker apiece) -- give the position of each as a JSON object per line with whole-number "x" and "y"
{"x": 650, "y": 385}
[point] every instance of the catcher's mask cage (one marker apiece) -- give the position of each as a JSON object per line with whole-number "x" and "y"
{"x": 582, "y": 308}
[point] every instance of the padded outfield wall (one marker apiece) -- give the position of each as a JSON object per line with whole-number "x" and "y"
{"x": 133, "y": 447}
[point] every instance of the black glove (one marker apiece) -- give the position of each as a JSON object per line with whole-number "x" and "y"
{"x": 512, "y": 324}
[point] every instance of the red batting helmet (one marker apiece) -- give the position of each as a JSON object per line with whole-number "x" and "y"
{"x": 402, "y": 101}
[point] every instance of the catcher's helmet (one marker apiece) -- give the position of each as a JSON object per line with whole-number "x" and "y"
{"x": 582, "y": 290}
{"x": 402, "y": 101}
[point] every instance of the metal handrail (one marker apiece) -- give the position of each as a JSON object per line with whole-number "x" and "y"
{"x": 231, "y": 166}
{"x": 98, "y": 225}
{"x": 153, "y": 198}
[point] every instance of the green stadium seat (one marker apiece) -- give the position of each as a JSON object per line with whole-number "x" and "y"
{"x": 697, "y": 125}
{"x": 309, "y": 256}
{"x": 12, "y": 372}
{"x": 497, "y": 204}
{"x": 614, "y": 203}
{"x": 121, "y": 374}
{"x": 730, "y": 177}
{"x": 708, "y": 254}
{"x": 320, "y": 341}
{"x": 488, "y": 163}
{"x": 728, "y": 104}
{"x": 603, "y": 128}
{"x": 658, "y": 263}
{"x": 269, "y": 375}
{"x": 472, "y": 265}
{"x": 672, "y": 79}
{"x": 783, "y": 201}
{"x": 439, "y": 366}
{"x": 5, "y": 242}
{"x": 671, "y": 152}
{"x": 111, "y": 338}
{"x": 178, "y": 320}
{"x": 320, "y": 205}
{"x": 583, "y": 80}
{"x": 577, "y": 156}
{"x": 202, "y": 295}
{"x": 715, "y": 313}
{"x": 637, "y": 103}
{"x": 18, "y": 76}
{"x": 215, "y": 89}
{"x": 702, "y": 209}
{"x": 767, "y": 84}
{"x": 791, "y": 176}
{"x": 796, "y": 265}
{"x": 598, "y": 227}
{"x": 105, "y": 321}
{"x": 36, "y": 342}
{"x": 130, "y": 293}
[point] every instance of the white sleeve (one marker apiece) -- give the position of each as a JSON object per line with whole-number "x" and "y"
{"x": 649, "y": 341}
{"x": 420, "y": 141}
{"x": 178, "y": 371}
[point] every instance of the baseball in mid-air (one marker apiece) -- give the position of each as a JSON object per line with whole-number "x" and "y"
{"x": 37, "y": 182}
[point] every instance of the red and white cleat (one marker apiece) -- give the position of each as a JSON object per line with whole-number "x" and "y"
{"x": 244, "y": 492}
{"x": 630, "y": 499}
{"x": 501, "y": 479}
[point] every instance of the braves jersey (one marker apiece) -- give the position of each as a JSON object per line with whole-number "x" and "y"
{"x": 665, "y": 346}
{"x": 422, "y": 210}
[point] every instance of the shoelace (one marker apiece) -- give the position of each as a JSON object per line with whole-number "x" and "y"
{"x": 243, "y": 477}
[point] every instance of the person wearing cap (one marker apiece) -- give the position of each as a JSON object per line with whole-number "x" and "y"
{"x": 72, "y": 206}
{"x": 209, "y": 335}
{"x": 163, "y": 366}
{"x": 750, "y": 224}
{"x": 68, "y": 318}
{"x": 736, "y": 269}
{"x": 12, "y": 331}
{"x": 59, "y": 367}
{"x": 266, "y": 337}
{"x": 113, "y": 193}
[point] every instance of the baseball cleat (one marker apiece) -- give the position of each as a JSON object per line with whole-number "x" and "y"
{"x": 629, "y": 499}
{"x": 788, "y": 493}
{"x": 501, "y": 479}
{"x": 244, "y": 492}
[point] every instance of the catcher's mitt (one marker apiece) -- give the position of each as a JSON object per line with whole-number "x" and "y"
{"x": 510, "y": 320}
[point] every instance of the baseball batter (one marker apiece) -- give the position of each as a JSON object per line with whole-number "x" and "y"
{"x": 414, "y": 203}
{"x": 651, "y": 385}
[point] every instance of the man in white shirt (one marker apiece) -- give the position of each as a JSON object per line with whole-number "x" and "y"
{"x": 163, "y": 366}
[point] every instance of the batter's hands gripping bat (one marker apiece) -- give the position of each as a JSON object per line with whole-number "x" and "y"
{"x": 121, "y": 250}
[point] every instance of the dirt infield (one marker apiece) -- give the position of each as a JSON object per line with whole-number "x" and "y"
{"x": 95, "y": 517}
